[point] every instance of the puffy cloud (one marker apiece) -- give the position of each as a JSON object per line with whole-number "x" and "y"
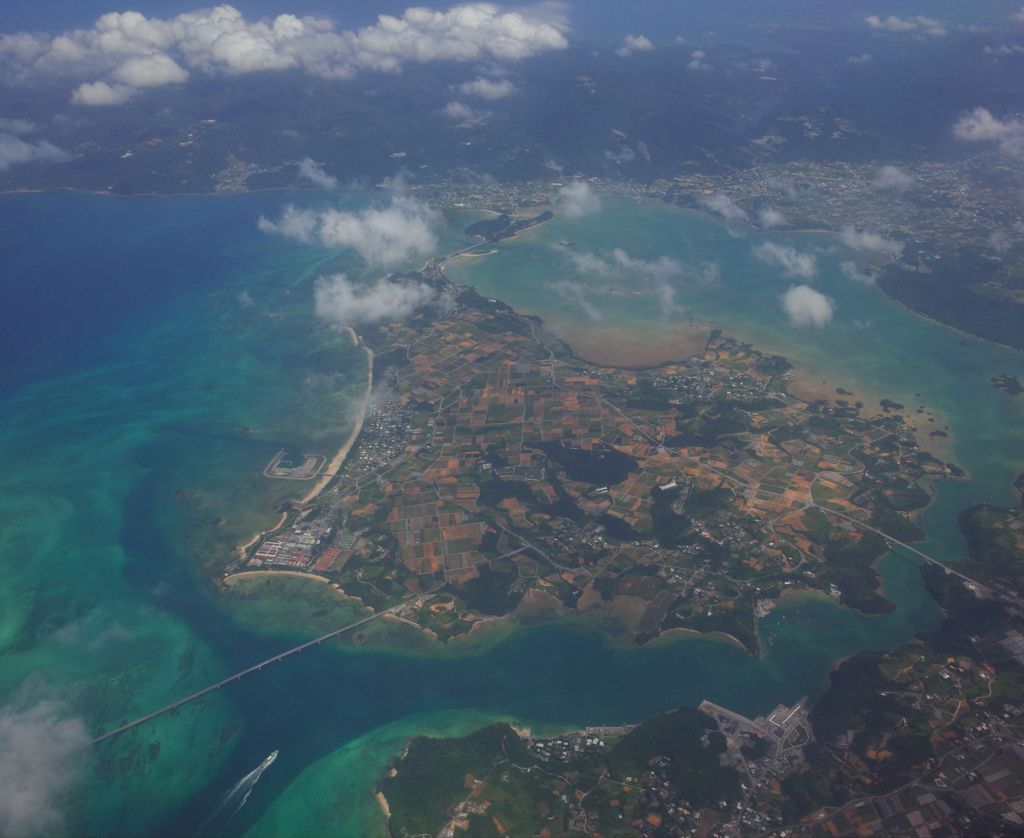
{"x": 145, "y": 52}
{"x": 721, "y": 204}
{"x": 1018, "y": 15}
{"x": 653, "y": 274}
{"x": 620, "y": 265}
{"x": 489, "y": 89}
{"x": 634, "y": 43}
{"x": 863, "y": 58}
{"x": 1000, "y": 242}
{"x": 981, "y": 126}
{"x": 344, "y": 303}
{"x": 383, "y": 237}
{"x": 151, "y": 71}
{"x": 577, "y": 294}
{"x": 807, "y": 307}
{"x": 100, "y": 94}
{"x": 460, "y": 112}
{"x": 892, "y": 177}
{"x": 869, "y": 241}
{"x": 920, "y": 26}
{"x": 15, "y": 150}
{"x": 17, "y": 126}
{"x": 770, "y": 218}
{"x": 697, "y": 61}
{"x": 851, "y": 271}
{"x": 577, "y": 199}
{"x": 42, "y": 759}
{"x": 792, "y": 261}
{"x": 315, "y": 174}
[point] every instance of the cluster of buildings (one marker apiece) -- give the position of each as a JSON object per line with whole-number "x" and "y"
{"x": 305, "y": 545}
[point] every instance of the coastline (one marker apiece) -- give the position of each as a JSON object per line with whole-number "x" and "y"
{"x": 331, "y": 468}
{"x": 248, "y": 574}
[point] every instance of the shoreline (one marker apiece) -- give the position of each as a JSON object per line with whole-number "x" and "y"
{"x": 331, "y": 468}
{"x": 300, "y": 574}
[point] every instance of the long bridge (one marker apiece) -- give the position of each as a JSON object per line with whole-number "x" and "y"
{"x": 238, "y": 676}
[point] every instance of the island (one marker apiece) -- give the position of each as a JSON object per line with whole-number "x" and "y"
{"x": 496, "y": 475}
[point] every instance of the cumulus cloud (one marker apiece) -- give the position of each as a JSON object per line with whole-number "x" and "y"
{"x": 489, "y": 89}
{"x": 892, "y": 177}
{"x": 577, "y": 199}
{"x": 852, "y": 271}
{"x": 344, "y": 303}
{"x": 1000, "y": 242}
{"x": 863, "y": 58}
{"x": 461, "y": 112}
{"x": 650, "y": 274}
{"x": 721, "y": 204}
{"x": 100, "y": 94}
{"x": 15, "y": 150}
{"x": 139, "y": 51}
{"x": 981, "y": 126}
{"x": 42, "y": 760}
{"x": 1018, "y": 15}
{"x": 789, "y": 259}
{"x": 17, "y": 126}
{"x": 151, "y": 71}
{"x": 920, "y": 26}
{"x": 869, "y": 241}
{"x": 315, "y": 174}
{"x": 771, "y": 218}
{"x": 634, "y": 43}
{"x": 578, "y": 295}
{"x": 697, "y": 61}
{"x": 383, "y": 237}
{"x": 807, "y": 307}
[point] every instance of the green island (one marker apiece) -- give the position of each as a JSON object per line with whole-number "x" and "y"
{"x": 496, "y": 474}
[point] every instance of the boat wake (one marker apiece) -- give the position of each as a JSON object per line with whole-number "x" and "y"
{"x": 232, "y": 802}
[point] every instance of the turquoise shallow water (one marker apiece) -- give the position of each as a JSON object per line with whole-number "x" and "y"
{"x": 133, "y": 443}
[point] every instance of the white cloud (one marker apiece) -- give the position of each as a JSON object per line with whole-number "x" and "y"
{"x": 851, "y": 271}
{"x": 489, "y": 89}
{"x": 460, "y": 112}
{"x": 634, "y": 43}
{"x": 792, "y": 261}
{"x": 315, "y": 174}
{"x": 577, "y": 199}
{"x": 807, "y": 307}
{"x": 892, "y": 177}
{"x": 721, "y": 204}
{"x": 869, "y": 241}
{"x": 771, "y": 218}
{"x": 863, "y": 58}
{"x": 100, "y": 94}
{"x": 139, "y": 51}
{"x": 697, "y": 61}
{"x": 1019, "y": 15}
{"x": 577, "y": 294}
{"x": 344, "y": 303}
{"x": 383, "y": 237}
{"x": 17, "y": 126}
{"x": 920, "y": 26}
{"x": 15, "y": 150}
{"x": 1000, "y": 242}
{"x": 42, "y": 759}
{"x": 981, "y": 126}
{"x": 651, "y": 274}
{"x": 151, "y": 71}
